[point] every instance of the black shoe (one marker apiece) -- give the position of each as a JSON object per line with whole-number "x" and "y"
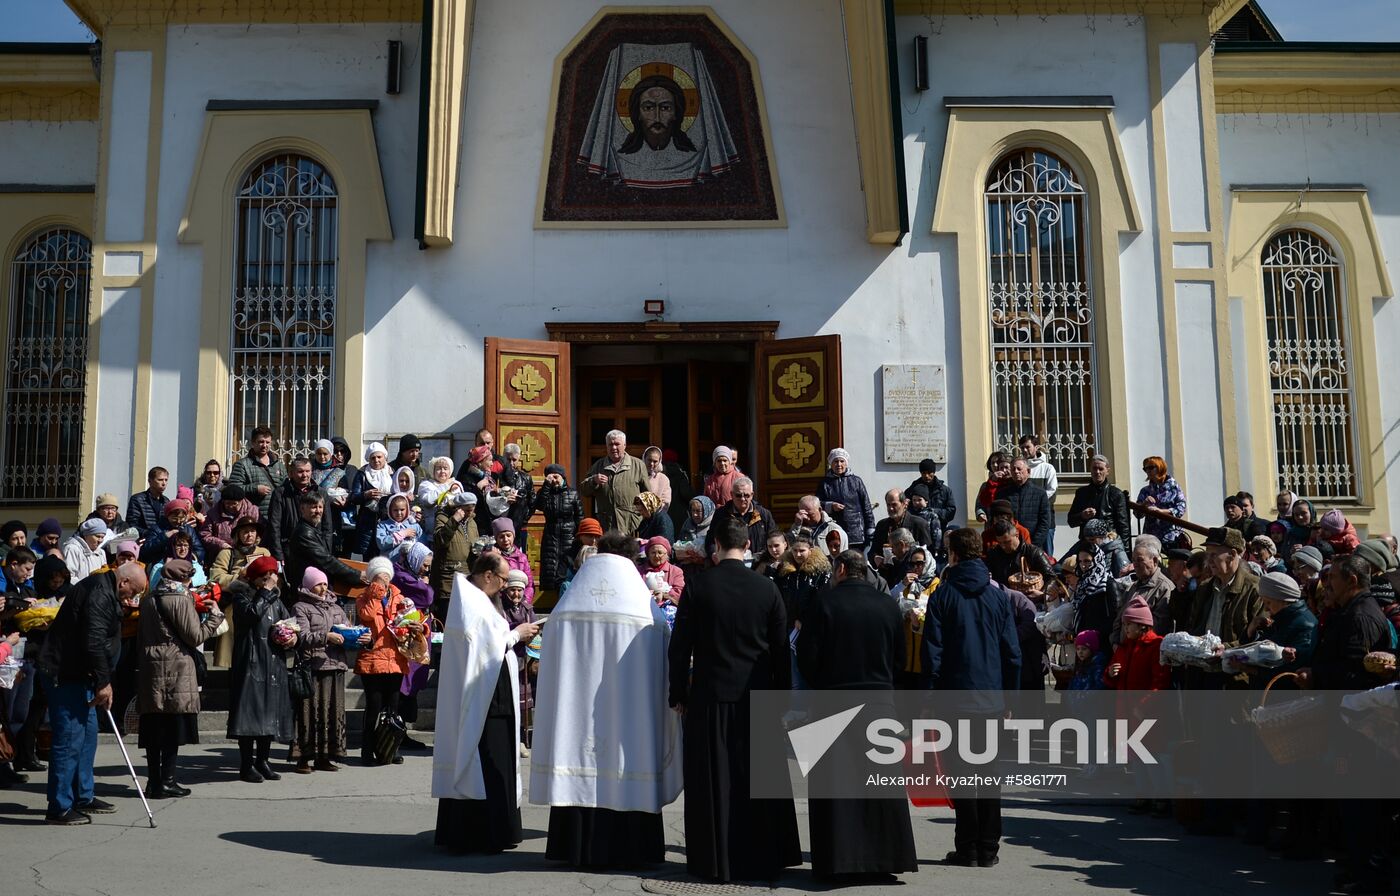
{"x": 30, "y": 764}
{"x": 250, "y": 776}
{"x": 397, "y": 760}
{"x": 960, "y": 859}
{"x": 9, "y": 777}
{"x": 175, "y": 790}
{"x": 96, "y": 807}
{"x": 69, "y": 818}
{"x": 156, "y": 791}
{"x": 987, "y": 861}
{"x": 412, "y": 744}
{"x": 266, "y": 771}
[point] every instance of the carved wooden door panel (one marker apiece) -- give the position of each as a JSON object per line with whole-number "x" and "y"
{"x": 528, "y": 401}
{"x": 799, "y": 417}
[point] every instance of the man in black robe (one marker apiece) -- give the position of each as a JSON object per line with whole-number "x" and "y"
{"x": 733, "y": 628}
{"x": 853, "y": 637}
{"x": 476, "y": 767}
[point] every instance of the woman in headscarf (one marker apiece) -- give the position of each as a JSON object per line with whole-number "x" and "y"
{"x": 344, "y": 510}
{"x": 475, "y": 476}
{"x": 454, "y": 544}
{"x": 658, "y": 483}
{"x": 1094, "y": 601}
{"x": 694, "y": 532}
{"x": 320, "y": 719}
{"x": 656, "y": 558}
{"x": 330, "y": 477}
{"x": 518, "y": 486}
{"x": 167, "y": 694}
{"x": 179, "y": 546}
{"x": 1301, "y": 522}
{"x": 373, "y": 484}
{"x": 1163, "y": 493}
{"x": 719, "y": 485}
{"x": 843, "y": 495}
{"x": 412, "y": 571}
{"x": 654, "y": 519}
{"x": 260, "y": 705}
{"x": 229, "y": 566}
{"x": 562, "y": 514}
{"x": 397, "y": 529}
{"x": 912, "y": 592}
{"x": 433, "y": 492}
{"x": 518, "y": 613}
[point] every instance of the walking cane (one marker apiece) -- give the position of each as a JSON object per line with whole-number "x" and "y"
{"x": 131, "y": 768}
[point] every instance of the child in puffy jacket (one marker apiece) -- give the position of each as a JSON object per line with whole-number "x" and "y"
{"x": 1335, "y": 529}
{"x": 397, "y": 528}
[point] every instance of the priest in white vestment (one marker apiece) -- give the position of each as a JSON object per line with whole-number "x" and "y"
{"x": 476, "y": 764}
{"x": 606, "y": 755}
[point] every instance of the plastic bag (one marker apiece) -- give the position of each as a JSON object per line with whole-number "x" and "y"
{"x": 1183, "y": 649}
{"x": 9, "y": 674}
{"x": 1059, "y": 621}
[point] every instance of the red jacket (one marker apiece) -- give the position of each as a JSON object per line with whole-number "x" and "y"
{"x": 1142, "y": 665}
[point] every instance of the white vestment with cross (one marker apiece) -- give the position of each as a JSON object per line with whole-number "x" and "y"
{"x": 604, "y": 735}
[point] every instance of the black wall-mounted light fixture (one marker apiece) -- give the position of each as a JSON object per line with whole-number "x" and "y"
{"x": 654, "y": 307}
{"x": 921, "y": 62}
{"x": 393, "y": 81}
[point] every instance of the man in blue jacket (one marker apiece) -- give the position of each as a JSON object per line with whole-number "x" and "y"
{"x": 970, "y": 644}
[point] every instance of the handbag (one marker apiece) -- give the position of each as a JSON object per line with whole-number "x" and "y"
{"x": 201, "y": 668}
{"x": 299, "y": 681}
{"x": 1025, "y": 581}
{"x": 389, "y": 732}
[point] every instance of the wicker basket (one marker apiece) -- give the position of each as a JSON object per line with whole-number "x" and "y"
{"x": 1293, "y": 731}
{"x": 1025, "y": 581}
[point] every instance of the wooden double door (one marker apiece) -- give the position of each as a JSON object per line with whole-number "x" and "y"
{"x": 782, "y": 410}
{"x": 689, "y": 407}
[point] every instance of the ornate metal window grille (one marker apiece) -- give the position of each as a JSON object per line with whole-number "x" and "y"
{"x": 46, "y": 368}
{"x": 284, "y": 302}
{"x": 1309, "y": 367}
{"x": 1041, "y": 302}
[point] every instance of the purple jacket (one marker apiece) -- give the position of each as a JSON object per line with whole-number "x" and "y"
{"x": 517, "y": 559}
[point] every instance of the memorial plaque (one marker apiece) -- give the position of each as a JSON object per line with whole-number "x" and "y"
{"x": 916, "y": 413}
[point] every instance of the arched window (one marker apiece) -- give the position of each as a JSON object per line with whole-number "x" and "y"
{"x": 284, "y": 301}
{"x": 1309, "y": 367}
{"x": 46, "y": 368}
{"x": 1041, "y": 302}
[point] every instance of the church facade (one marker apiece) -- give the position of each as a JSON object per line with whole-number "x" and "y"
{"x": 906, "y": 227}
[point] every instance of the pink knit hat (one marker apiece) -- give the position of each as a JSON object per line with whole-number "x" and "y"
{"x": 1087, "y": 638}
{"x": 1138, "y": 611}
{"x": 313, "y": 577}
{"x": 1333, "y": 522}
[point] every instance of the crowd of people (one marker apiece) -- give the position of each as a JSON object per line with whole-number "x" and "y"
{"x": 671, "y": 602}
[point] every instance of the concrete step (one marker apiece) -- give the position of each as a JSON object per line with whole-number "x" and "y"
{"x": 352, "y": 737}
{"x": 216, "y": 720}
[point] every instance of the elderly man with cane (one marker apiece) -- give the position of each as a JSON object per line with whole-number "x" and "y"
{"x": 79, "y": 655}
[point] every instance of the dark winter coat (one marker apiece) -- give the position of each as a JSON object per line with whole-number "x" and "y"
{"x": 251, "y": 474}
{"x": 1294, "y": 626}
{"x": 848, "y": 489}
{"x": 170, "y": 634}
{"x": 940, "y": 499}
{"x": 657, "y": 524}
{"x": 156, "y": 547}
{"x": 1349, "y": 634}
{"x": 260, "y": 704}
{"x": 311, "y": 546}
{"x": 916, "y": 525}
{"x": 970, "y": 640}
{"x": 82, "y": 643}
{"x": 144, "y": 512}
{"x": 798, "y": 587}
{"x": 1110, "y": 504}
{"x": 1031, "y": 507}
{"x": 852, "y": 638}
{"x": 282, "y": 519}
{"x": 524, "y": 505}
{"x": 562, "y": 513}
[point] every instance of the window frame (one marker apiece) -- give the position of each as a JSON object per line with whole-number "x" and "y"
{"x": 29, "y": 236}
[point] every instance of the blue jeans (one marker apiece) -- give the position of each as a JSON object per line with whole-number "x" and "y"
{"x": 74, "y": 748}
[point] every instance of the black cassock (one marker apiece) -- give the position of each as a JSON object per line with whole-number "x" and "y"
{"x": 731, "y": 630}
{"x": 853, "y": 638}
{"x": 493, "y": 824}
{"x": 588, "y": 837}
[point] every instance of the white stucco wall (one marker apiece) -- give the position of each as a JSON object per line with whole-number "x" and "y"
{"x": 256, "y": 63}
{"x": 46, "y": 152}
{"x": 1335, "y": 149}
